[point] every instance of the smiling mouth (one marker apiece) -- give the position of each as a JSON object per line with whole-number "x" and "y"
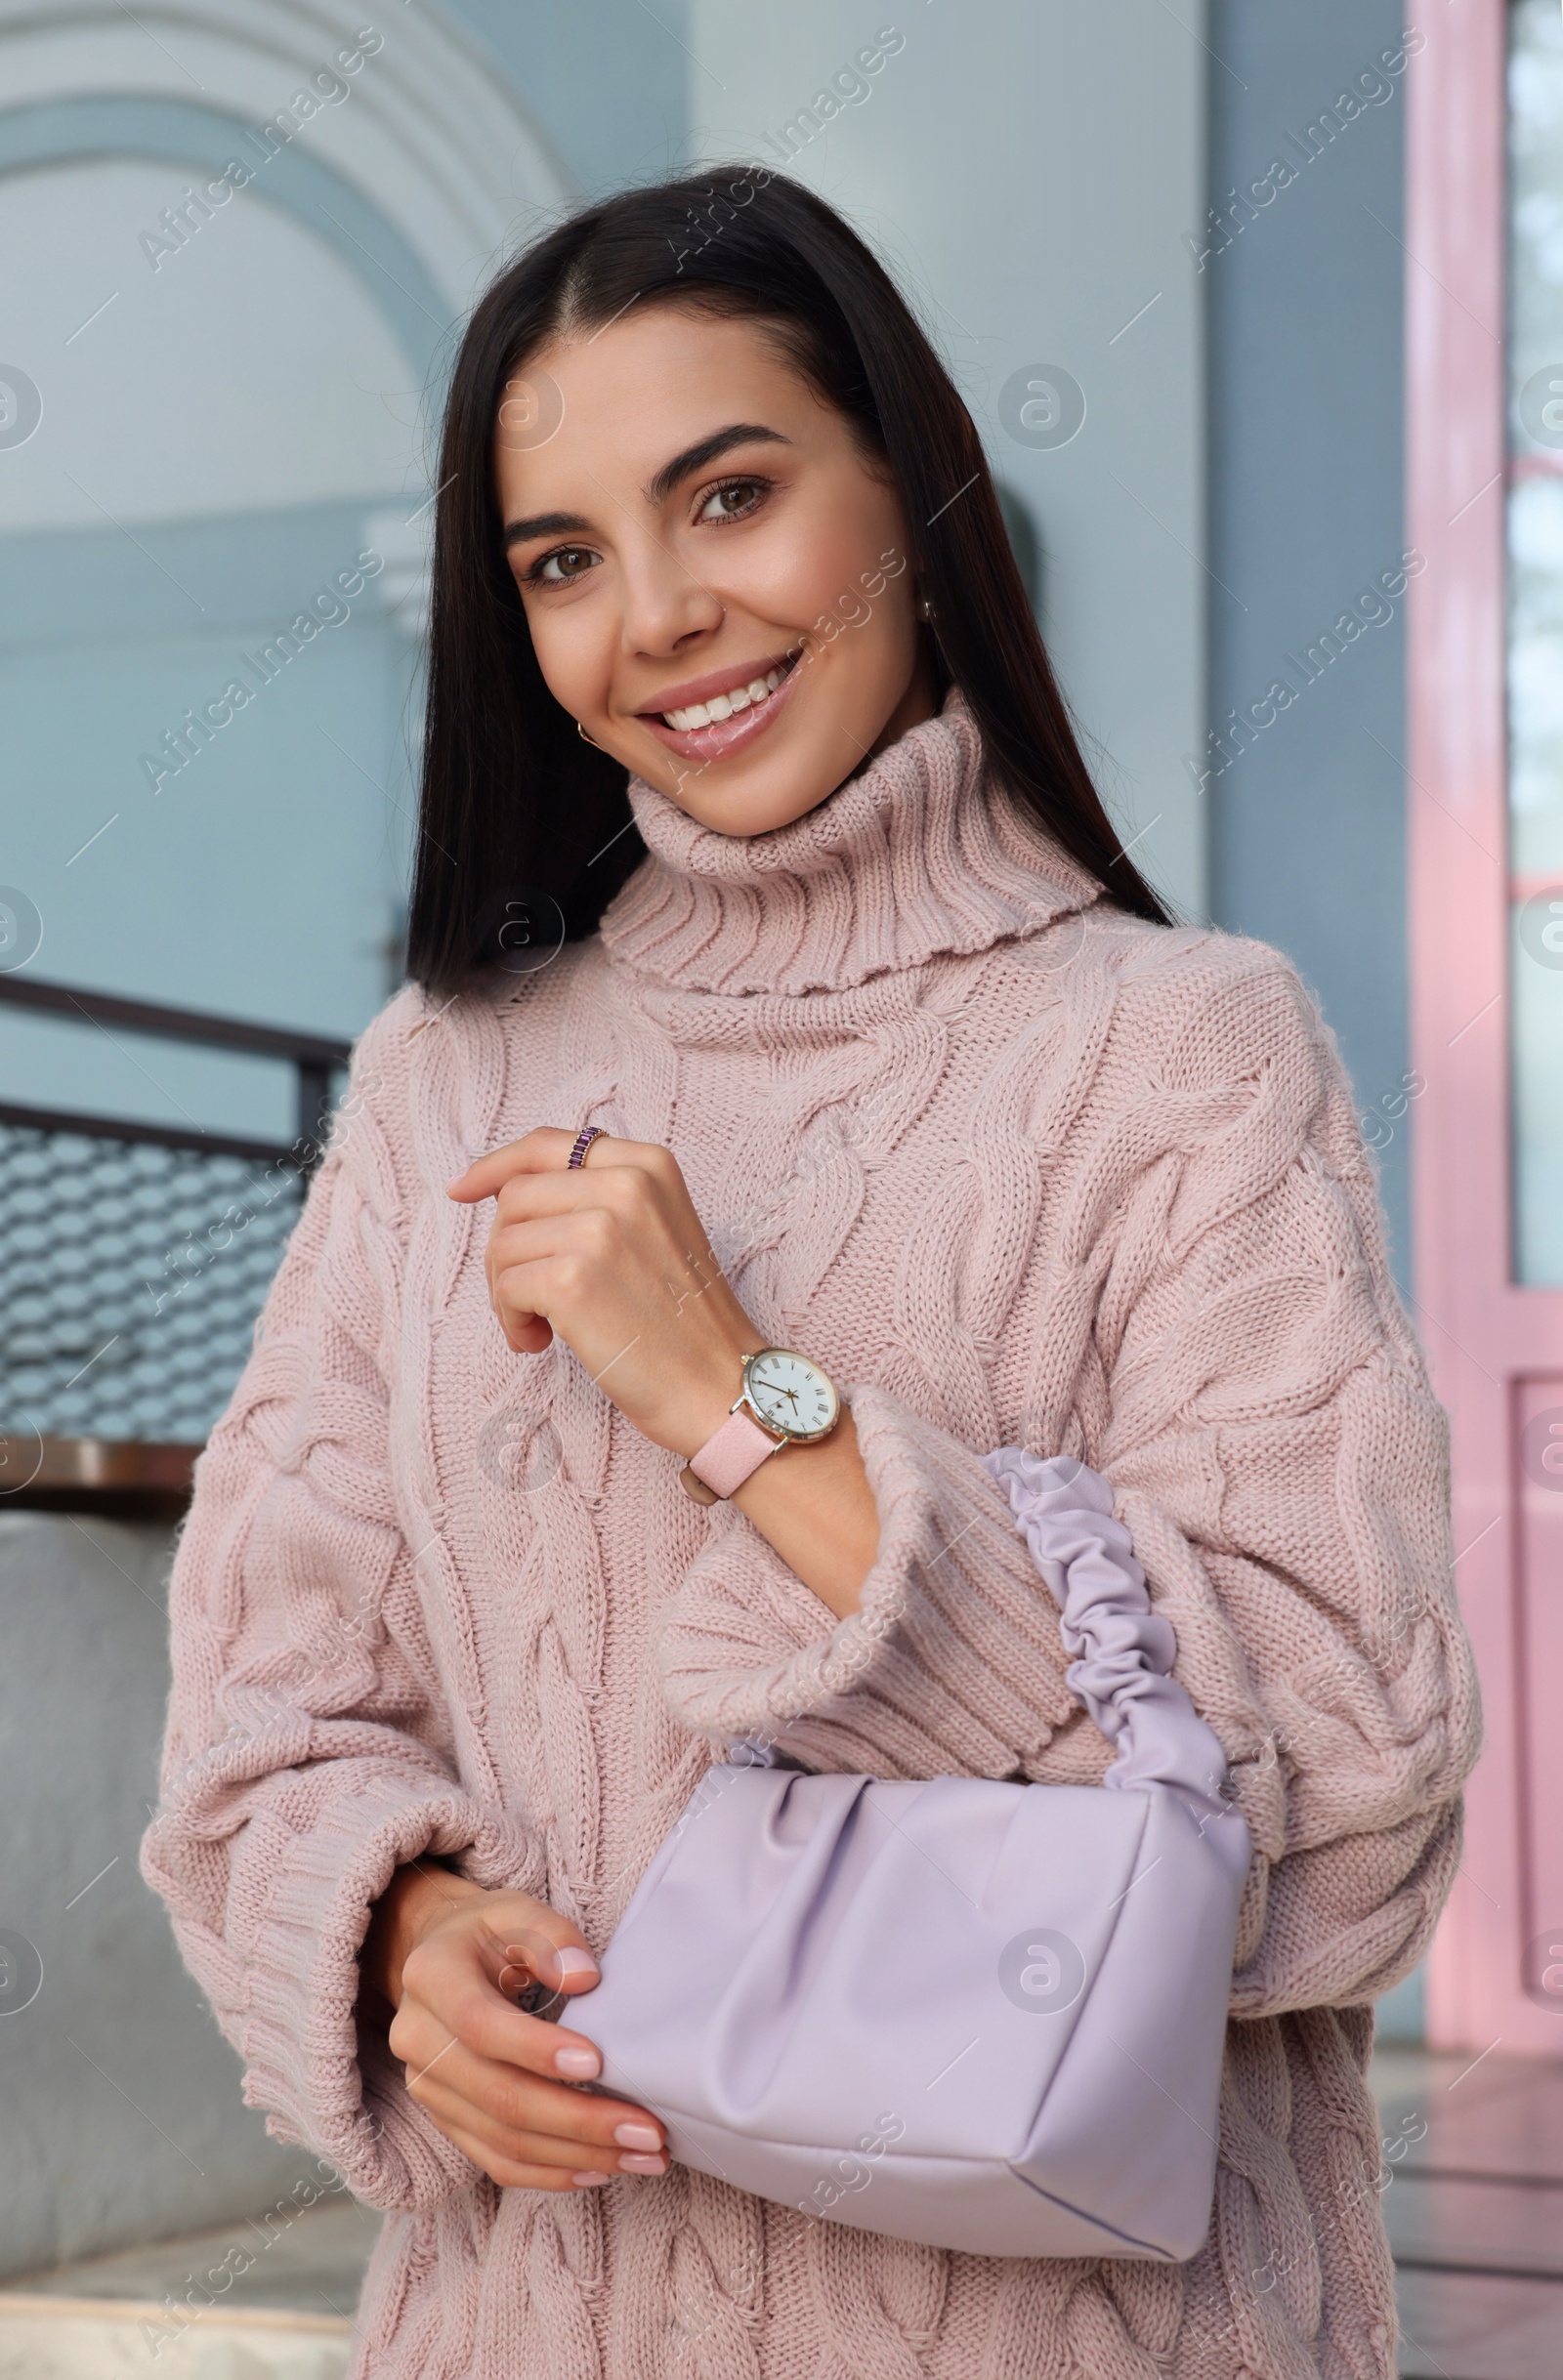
{"x": 727, "y": 722}
{"x": 747, "y": 694}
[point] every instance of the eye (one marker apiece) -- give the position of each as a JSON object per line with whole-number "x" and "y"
{"x": 563, "y": 567}
{"x": 733, "y": 499}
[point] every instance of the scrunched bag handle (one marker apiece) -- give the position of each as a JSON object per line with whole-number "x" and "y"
{"x": 1121, "y": 1652}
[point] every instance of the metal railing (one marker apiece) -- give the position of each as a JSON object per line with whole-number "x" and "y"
{"x": 134, "y": 1260}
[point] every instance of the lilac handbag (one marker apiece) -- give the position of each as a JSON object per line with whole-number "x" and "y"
{"x": 979, "y": 2014}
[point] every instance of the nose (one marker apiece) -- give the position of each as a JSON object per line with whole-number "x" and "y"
{"x": 665, "y": 606}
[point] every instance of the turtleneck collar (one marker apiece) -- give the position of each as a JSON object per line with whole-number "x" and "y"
{"x": 916, "y": 856}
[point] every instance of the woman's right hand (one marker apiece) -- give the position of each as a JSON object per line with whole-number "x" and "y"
{"x": 449, "y": 1957}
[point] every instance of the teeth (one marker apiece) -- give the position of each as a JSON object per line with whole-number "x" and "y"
{"x": 723, "y": 706}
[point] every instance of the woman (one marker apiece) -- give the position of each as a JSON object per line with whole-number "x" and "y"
{"x": 755, "y": 837}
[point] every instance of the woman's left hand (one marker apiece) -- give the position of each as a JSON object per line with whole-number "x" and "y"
{"x": 614, "y": 1259}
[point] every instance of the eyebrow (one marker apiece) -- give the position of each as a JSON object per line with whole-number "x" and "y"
{"x": 546, "y": 525}
{"x": 658, "y": 489}
{"x": 694, "y": 458}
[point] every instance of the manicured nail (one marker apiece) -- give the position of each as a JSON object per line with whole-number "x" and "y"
{"x": 643, "y": 2164}
{"x": 637, "y": 2136}
{"x": 582, "y": 2065}
{"x": 589, "y": 2181}
{"x": 572, "y": 1961}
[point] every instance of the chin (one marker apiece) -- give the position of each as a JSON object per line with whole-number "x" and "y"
{"x": 738, "y": 812}
{"x": 758, "y": 800}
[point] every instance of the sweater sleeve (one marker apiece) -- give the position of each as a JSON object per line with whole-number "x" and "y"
{"x": 1220, "y": 1329}
{"x": 307, "y": 1751}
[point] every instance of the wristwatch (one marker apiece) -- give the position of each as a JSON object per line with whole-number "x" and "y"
{"x": 785, "y": 1400}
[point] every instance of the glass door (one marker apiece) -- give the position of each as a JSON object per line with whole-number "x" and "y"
{"x": 1536, "y": 633}
{"x": 1484, "y": 282}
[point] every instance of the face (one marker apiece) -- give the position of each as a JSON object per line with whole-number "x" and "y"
{"x": 716, "y": 577}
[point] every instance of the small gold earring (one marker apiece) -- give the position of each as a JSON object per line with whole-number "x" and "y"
{"x": 588, "y": 740}
{"x": 926, "y": 609}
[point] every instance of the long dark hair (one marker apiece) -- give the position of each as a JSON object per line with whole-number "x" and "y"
{"x": 517, "y": 814}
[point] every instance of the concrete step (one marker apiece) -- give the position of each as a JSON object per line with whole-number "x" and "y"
{"x": 1473, "y": 2154}
{"x": 271, "y": 2298}
{"x": 74, "y": 2338}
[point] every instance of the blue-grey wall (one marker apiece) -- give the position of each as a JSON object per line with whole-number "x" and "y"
{"x": 1025, "y": 169}
{"x": 1307, "y": 512}
{"x": 605, "y": 82}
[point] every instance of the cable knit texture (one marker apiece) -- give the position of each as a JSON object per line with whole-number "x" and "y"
{"x": 1018, "y": 1169}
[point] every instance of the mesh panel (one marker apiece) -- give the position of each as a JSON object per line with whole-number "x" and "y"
{"x": 130, "y": 1279}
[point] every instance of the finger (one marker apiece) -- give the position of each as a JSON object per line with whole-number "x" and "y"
{"x": 531, "y": 1268}
{"x": 539, "y": 2123}
{"x": 499, "y": 2099}
{"x": 514, "y": 2113}
{"x": 511, "y": 2176}
{"x": 520, "y": 1307}
{"x": 510, "y": 2100}
{"x": 444, "y": 2000}
{"x": 547, "y": 1150}
{"x": 543, "y": 1942}
{"x": 526, "y": 1334}
{"x": 542, "y": 1151}
{"x": 547, "y": 1286}
{"x": 595, "y": 1237}
{"x": 528, "y": 1198}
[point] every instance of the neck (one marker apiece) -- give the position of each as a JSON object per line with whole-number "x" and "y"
{"x": 916, "y": 704}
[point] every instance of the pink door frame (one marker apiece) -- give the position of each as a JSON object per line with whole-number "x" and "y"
{"x": 1497, "y": 1349}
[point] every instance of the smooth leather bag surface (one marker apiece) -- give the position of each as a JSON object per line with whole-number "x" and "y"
{"x": 980, "y": 2014}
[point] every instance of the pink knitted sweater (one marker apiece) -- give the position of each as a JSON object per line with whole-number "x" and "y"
{"x": 1017, "y": 1169}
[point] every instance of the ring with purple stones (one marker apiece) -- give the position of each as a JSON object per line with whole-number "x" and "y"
{"x": 583, "y": 1140}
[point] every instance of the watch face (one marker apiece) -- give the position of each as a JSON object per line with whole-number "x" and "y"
{"x": 790, "y": 1393}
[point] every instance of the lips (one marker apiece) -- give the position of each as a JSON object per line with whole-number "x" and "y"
{"x": 721, "y": 680}
{"x": 742, "y": 725}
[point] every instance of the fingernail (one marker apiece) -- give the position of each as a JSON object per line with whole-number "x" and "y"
{"x": 637, "y": 2136}
{"x": 589, "y": 2181}
{"x": 572, "y": 1961}
{"x": 643, "y": 2164}
{"x": 580, "y": 2065}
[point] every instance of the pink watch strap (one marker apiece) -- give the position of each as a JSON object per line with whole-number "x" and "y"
{"x": 731, "y": 1454}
